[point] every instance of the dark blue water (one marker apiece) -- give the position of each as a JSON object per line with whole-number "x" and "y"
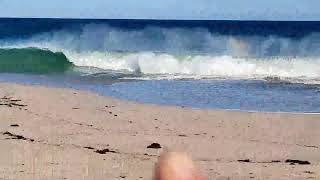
{"x": 153, "y": 35}
{"x": 246, "y": 65}
{"x": 23, "y": 27}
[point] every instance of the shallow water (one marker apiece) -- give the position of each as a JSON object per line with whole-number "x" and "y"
{"x": 254, "y": 95}
{"x": 247, "y": 95}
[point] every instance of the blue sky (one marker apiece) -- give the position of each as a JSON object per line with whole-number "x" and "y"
{"x": 164, "y": 9}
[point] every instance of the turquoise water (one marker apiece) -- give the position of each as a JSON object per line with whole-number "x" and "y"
{"x": 32, "y": 60}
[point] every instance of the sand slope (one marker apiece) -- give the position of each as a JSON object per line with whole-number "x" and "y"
{"x": 54, "y": 133}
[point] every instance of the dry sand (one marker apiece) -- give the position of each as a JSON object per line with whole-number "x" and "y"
{"x": 56, "y": 133}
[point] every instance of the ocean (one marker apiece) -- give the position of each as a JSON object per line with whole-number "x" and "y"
{"x": 243, "y": 65}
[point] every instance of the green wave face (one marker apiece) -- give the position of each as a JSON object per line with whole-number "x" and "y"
{"x": 33, "y": 60}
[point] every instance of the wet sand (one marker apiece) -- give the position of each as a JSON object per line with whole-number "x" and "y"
{"x": 57, "y": 133}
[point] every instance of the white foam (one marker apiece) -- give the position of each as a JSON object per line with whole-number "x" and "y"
{"x": 200, "y": 66}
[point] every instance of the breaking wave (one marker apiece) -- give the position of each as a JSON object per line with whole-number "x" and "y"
{"x": 168, "y": 52}
{"x": 161, "y": 64}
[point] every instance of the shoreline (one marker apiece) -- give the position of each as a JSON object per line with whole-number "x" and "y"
{"x": 57, "y": 133}
{"x": 161, "y": 105}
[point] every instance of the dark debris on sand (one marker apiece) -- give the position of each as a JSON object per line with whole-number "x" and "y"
{"x": 100, "y": 151}
{"x": 14, "y": 125}
{"x": 308, "y": 172}
{"x": 290, "y": 161}
{"x": 182, "y": 135}
{"x": 294, "y": 162}
{"x": 87, "y": 147}
{"x": 244, "y": 160}
{"x": 9, "y": 102}
{"x": 154, "y": 146}
{"x": 104, "y": 151}
{"x": 19, "y": 137}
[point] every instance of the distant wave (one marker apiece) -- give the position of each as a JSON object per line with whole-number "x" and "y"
{"x": 102, "y": 37}
{"x": 33, "y": 60}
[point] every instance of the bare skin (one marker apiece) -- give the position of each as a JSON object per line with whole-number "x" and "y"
{"x": 176, "y": 166}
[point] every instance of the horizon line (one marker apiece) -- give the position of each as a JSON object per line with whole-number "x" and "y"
{"x": 160, "y": 19}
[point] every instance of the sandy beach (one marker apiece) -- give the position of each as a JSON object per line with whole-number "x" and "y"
{"x": 57, "y": 133}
